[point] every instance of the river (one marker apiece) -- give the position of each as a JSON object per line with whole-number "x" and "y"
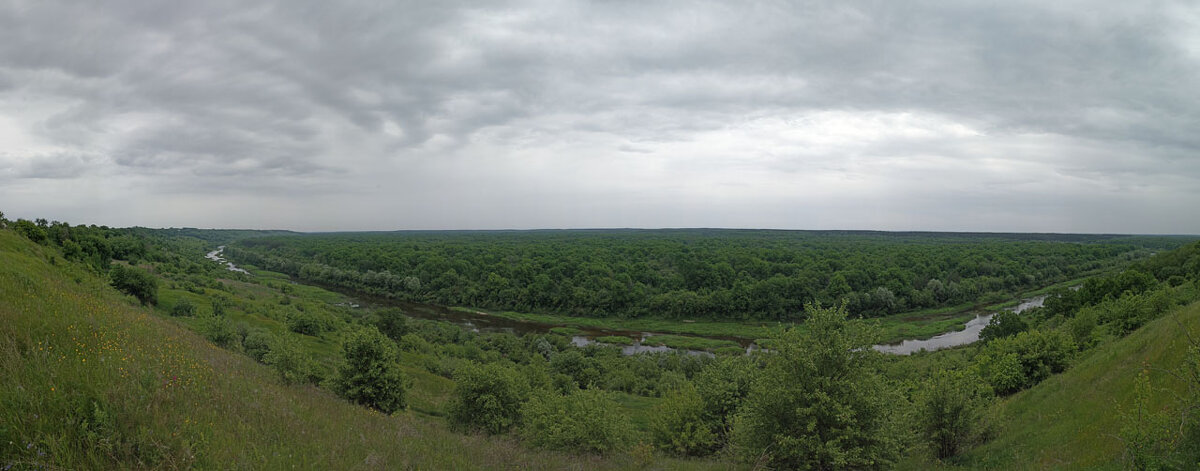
{"x": 216, "y": 257}
{"x": 970, "y": 334}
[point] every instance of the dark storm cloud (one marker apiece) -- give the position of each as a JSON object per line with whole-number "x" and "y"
{"x": 717, "y": 113}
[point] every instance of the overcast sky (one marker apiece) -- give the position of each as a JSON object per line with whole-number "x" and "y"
{"x": 1018, "y": 116}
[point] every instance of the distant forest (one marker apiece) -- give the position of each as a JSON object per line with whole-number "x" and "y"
{"x": 695, "y": 273}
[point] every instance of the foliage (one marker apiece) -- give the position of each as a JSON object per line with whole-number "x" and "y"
{"x": 1148, "y": 435}
{"x": 371, "y": 375}
{"x": 680, "y": 424}
{"x": 685, "y": 274}
{"x": 1013, "y": 363}
{"x": 285, "y": 354}
{"x": 392, "y": 323}
{"x": 257, "y": 344}
{"x": 308, "y": 322}
{"x": 487, "y": 397}
{"x": 820, "y": 403}
{"x": 586, "y": 420}
{"x": 950, "y": 406}
{"x": 183, "y": 308}
{"x": 219, "y": 330}
{"x": 1004, "y": 324}
{"x": 723, "y": 385}
{"x": 136, "y": 282}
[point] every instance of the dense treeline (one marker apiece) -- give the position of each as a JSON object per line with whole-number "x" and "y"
{"x": 723, "y": 274}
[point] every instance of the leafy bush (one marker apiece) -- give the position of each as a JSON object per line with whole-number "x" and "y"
{"x": 183, "y": 308}
{"x": 308, "y": 323}
{"x": 950, "y": 408}
{"x": 1014, "y": 363}
{"x": 371, "y": 375}
{"x": 487, "y": 397}
{"x": 820, "y": 403}
{"x": 392, "y": 323}
{"x": 220, "y": 331}
{"x": 287, "y": 357}
{"x": 138, "y": 283}
{"x": 1004, "y": 324}
{"x": 585, "y": 420}
{"x": 257, "y": 344}
{"x": 680, "y": 424}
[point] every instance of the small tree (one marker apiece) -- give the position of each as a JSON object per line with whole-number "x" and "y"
{"x": 487, "y": 397}
{"x": 286, "y": 356}
{"x": 371, "y": 375}
{"x": 949, "y": 408}
{"x": 680, "y": 425}
{"x": 183, "y": 308}
{"x": 393, "y": 323}
{"x": 820, "y": 403}
{"x": 136, "y": 282}
{"x": 1003, "y": 324}
{"x": 585, "y": 420}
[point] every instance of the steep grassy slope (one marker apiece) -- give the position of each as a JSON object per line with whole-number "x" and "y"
{"x": 89, "y": 380}
{"x": 1072, "y": 420}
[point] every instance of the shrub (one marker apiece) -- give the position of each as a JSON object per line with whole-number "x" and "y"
{"x": 287, "y": 357}
{"x": 138, "y": 283}
{"x": 680, "y": 425}
{"x": 1003, "y": 324}
{"x": 183, "y": 308}
{"x": 820, "y": 403}
{"x": 1037, "y": 354}
{"x": 308, "y": 323}
{"x": 487, "y": 397}
{"x": 392, "y": 323}
{"x": 371, "y": 375}
{"x": 257, "y": 344}
{"x": 584, "y": 420}
{"x": 220, "y": 331}
{"x": 949, "y": 409}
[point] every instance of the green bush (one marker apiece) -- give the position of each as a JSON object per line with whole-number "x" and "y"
{"x": 287, "y": 357}
{"x": 308, "y": 323}
{"x": 371, "y": 375}
{"x": 138, "y": 283}
{"x": 487, "y": 397}
{"x": 257, "y": 344}
{"x": 183, "y": 308}
{"x": 950, "y": 408}
{"x": 584, "y": 420}
{"x": 820, "y": 403}
{"x": 680, "y": 424}
{"x": 392, "y": 323}
{"x": 1003, "y": 324}
{"x": 220, "y": 331}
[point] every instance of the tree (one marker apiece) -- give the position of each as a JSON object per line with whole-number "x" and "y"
{"x": 950, "y": 406}
{"x": 487, "y": 397}
{"x": 680, "y": 425}
{"x": 820, "y": 403}
{"x": 586, "y": 420}
{"x": 371, "y": 375}
{"x": 138, "y": 283}
{"x": 393, "y": 323}
{"x": 1004, "y": 324}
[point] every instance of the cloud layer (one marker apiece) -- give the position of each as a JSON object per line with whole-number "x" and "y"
{"x": 1020, "y": 116}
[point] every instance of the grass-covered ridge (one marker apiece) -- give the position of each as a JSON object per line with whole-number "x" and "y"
{"x": 93, "y": 381}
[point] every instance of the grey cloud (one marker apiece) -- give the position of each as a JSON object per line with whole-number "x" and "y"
{"x": 266, "y": 97}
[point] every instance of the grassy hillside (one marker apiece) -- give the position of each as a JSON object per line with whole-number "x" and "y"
{"x": 1072, "y": 420}
{"x": 92, "y": 380}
